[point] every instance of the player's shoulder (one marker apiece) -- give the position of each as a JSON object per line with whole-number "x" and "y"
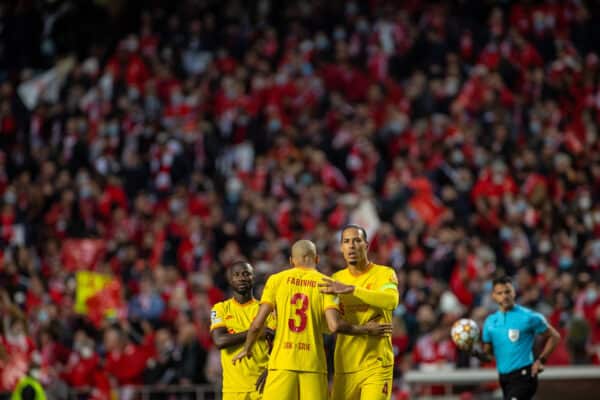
{"x": 384, "y": 273}
{"x": 342, "y": 273}
{"x": 319, "y": 275}
{"x": 278, "y": 275}
{"x": 382, "y": 269}
{"x": 313, "y": 275}
{"x": 223, "y": 304}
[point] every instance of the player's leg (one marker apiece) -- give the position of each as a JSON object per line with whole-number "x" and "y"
{"x": 377, "y": 384}
{"x": 345, "y": 387}
{"x": 281, "y": 384}
{"x": 313, "y": 386}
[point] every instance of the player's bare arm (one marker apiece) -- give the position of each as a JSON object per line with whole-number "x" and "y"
{"x": 223, "y": 339}
{"x": 337, "y": 324}
{"x": 260, "y": 382}
{"x": 386, "y": 299}
{"x": 331, "y": 286}
{"x": 254, "y": 332}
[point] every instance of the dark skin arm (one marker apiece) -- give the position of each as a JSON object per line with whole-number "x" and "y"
{"x": 224, "y": 339}
{"x": 260, "y": 382}
{"x": 254, "y": 332}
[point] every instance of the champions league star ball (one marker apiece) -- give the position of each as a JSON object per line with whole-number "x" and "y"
{"x": 465, "y": 333}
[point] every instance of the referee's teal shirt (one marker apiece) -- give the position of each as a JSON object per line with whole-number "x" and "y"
{"x": 512, "y": 334}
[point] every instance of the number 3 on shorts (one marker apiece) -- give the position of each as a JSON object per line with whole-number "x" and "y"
{"x": 300, "y": 311}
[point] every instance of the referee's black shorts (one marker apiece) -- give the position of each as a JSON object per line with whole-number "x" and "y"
{"x": 519, "y": 384}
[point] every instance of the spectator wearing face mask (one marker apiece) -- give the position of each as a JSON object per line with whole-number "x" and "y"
{"x": 83, "y": 362}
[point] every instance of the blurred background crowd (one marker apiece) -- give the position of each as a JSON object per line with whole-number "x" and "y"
{"x": 149, "y": 144}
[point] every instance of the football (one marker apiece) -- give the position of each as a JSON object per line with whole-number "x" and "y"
{"x": 465, "y": 333}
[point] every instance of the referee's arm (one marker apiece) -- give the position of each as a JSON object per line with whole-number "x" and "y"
{"x": 551, "y": 338}
{"x": 484, "y": 354}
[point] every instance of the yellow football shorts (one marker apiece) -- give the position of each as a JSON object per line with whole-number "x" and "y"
{"x": 295, "y": 385}
{"x": 371, "y": 384}
{"x": 242, "y": 396}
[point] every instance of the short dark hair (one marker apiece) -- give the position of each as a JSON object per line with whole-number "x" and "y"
{"x": 353, "y": 226}
{"x": 501, "y": 280}
{"x": 239, "y": 262}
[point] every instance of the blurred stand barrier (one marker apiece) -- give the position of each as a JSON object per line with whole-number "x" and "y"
{"x": 156, "y": 392}
{"x": 159, "y": 392}
{"x": 576, "y": 382}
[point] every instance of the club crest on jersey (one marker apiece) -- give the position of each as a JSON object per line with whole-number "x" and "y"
{"x": 513, "y": 335}
{"x": 214, "y": 318}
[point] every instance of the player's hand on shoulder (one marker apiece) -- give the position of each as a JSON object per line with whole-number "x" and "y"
{"x": 330, "y": 286}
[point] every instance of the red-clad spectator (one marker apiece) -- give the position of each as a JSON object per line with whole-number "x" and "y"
{"x": 126, "y": 361}
{"x": 432, "y": 351}
{"x": 19, "y": 348}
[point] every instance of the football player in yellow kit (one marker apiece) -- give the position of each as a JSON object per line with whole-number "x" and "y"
{"x": 297, "y": 366}
{"x": 230, "y": 321}
{"x": 363, "y": 364}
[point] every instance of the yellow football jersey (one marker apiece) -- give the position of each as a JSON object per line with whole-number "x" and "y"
{"x": 300, "y": 312}
{"x": 237, "y": 318}
{"x": 354, "y": 353}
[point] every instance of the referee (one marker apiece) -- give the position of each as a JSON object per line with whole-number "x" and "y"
{"x": 508, "y": 335}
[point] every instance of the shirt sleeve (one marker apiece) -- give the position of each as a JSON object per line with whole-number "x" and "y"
{"x": 539, "y": 323}
{"x": 385, "y": 296}
{"x": 331, "y": 301}
{"x": 268, "y": 295}
{"x": 216, "y": 317}
{"x": 486, "y": 337}
{"x": 390, "y": 280}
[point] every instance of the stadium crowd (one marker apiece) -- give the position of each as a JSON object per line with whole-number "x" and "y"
{"x": 462, "y": 134}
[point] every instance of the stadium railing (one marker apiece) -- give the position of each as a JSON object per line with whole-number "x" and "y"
{"x": 149, "y": 392}
{"x": 556, "y": 381}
